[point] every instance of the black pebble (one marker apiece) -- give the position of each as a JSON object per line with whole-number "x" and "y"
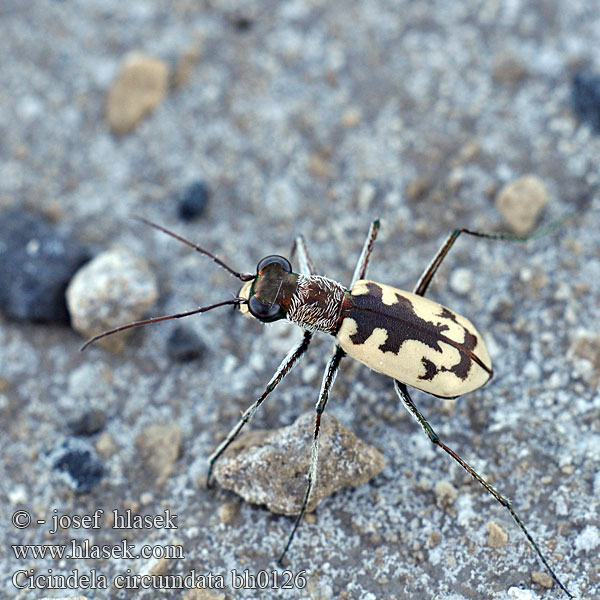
{"x": 183, "y": 345}
{"x": 36, "y": 265}
{"x": 79, "y": 464}
{"x": 194, "y": 201}
{"x": 585, "y": 97}
{"x": 88, "y": 423}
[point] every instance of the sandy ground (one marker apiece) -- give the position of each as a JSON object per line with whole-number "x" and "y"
{"x": 313, "y": 117}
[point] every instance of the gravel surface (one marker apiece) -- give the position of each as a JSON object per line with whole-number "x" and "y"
{"x": 308, "y": 117}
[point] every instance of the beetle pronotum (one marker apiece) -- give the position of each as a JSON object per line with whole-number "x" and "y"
{"x": 406, "y": 336}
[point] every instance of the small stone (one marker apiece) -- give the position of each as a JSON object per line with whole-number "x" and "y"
{"x": 18, "y": 495}
{"x": 508, "y": 69}
{"x": 185, "y": 67}
{"x": 543, "y": 579}
{"x": 435, "y": 537}
{"x": 515, "y": 593}
{"x": 194, "y": 201}
{"x": 36, "y": 264}
{"x": 351, "y": 117}
{"x": 270, "y": 467}
{"x": 585, "y": 97}
{"x": 418, "y": 188}
{"x": 4, "y": 384}
{"x": 114, "y": 288}
{"x": 319, "y": 166}
{"x": 203, "y": 594}
{"x": 228, "y": 512}
{"x": 159, "y": 446}
{"x": 137, "y": 91}
{"x": 157, "y": 566}
{"x": 146, "y": 498}
{"x": 184, "y": 345}
{"x": 105, "y": 445}
{"x": 461, "y": 281}
{"x": 90, "y": 422}
{"x": 78, "y": 464}
{"x": 445, "y": 494}
{"x": 496, "y": 536}
{"x": 521, "y": 202}
{"x": 586, "y": 346}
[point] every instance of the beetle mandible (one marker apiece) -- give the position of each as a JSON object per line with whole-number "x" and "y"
{"x": 412, "y": 339}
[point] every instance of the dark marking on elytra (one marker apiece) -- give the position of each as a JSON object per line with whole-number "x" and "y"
{"x": 401, "y": 324}
{"x": 430, "y": 369}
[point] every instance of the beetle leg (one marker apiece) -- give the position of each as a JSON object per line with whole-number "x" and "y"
{"x": 328, "y": 379}
{"x": 305, "y": 264}
{"x": 363, "y": 260}
{"x": 429, "y": 272}
{"x": 410, "y": 406}
{"x": 284, "y": 368}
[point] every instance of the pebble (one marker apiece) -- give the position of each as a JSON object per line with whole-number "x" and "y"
{"x": 521, "y": 202}
{"x": 585, "y": 97}
{"x": 114, "y": 288}
{"x": 184, "y": 345}
{"x": 586, "y": 346}
{"x": 445, "y": 494}
{"x": 351, "y": 117}
{"x": 78, "y": 464}
{"x": 105, "y": 445}
{"x": 508, "y": 69}
{"x": 194, "y": 201}
{"x": 497, "y": 538}
{"x": 461, "y": 281}
{"x": 269, "y": 467}
{"x": 228, "y": 512}
{"x": 203, "y": 594}
{"x": 543, "y": 579}
{"x": 139, "y": 88}
{"x": 90, "y": 422}
{"x": 185, "y": 67}
{"x": 36, "y": 264}
{"x": 159, "y": 446}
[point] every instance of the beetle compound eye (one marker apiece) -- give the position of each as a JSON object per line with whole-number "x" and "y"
{"x": 264, "y": 312}
{"x": 284, "y": 263}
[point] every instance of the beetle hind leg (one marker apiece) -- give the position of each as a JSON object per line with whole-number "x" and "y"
{"x": 328, "y": 378}
{"x": 433, "y": 266}
{"x": 284, "y": 368}
{"x": 433, "y": 436}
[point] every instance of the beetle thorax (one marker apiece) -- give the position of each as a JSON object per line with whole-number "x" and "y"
{"x": 317, "y": 304}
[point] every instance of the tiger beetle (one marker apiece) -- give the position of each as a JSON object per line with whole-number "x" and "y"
{"x": 414, "y": 340}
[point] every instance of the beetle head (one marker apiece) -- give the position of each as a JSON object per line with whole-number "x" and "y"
{"x": 271, "y": 290}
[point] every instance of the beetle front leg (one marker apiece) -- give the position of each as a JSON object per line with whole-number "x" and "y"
{"x": 433, "y": 436}
{"x": 305, "y": 264}
{"x": 284, "y": 368}
{"x": 328, "y": 378}
{"x": 363, "y": 260}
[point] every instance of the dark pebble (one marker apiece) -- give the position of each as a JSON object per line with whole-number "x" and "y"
{"x": 79, "y": 465}
{"x": 585, "y": 97}
{"x": 36, "y": 264}
{"x": 194, "y": 201}
{"x": 88, "y": 423}
{"x": 184, "y": 345}
{"x": 242, "y": 23}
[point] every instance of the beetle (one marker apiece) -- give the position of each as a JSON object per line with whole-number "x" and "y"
{"x": 412, "y": 339}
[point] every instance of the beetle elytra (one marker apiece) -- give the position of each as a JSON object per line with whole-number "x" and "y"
{"x": 412, "y": 339}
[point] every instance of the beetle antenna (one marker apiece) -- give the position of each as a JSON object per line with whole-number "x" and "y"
{"x": 164, "y": 318}
{"x": 242, "y": 276}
